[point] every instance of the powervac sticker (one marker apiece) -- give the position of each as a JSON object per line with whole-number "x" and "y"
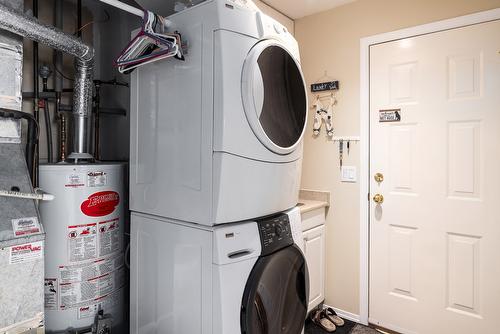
{"x": 25, "y": 253}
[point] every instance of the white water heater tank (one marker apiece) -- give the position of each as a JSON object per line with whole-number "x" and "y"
{"x": 84, "y": 254}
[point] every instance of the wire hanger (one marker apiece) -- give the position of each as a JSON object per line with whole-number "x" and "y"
{"x": 324, "y": 76}
{"x": 151, "y": 44}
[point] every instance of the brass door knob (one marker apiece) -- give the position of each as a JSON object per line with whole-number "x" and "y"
{"x": 379, "y": 177}
{"x": 378, "y": 198}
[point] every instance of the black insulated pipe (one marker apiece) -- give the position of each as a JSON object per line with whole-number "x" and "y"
{"x": 45, "y": 73}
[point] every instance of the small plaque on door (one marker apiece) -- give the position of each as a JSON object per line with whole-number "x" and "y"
{"x": 390, "y": 115}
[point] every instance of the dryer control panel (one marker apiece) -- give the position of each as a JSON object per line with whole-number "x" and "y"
{"x": 275, "y": 233}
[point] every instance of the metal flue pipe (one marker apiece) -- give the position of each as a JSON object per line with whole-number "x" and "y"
{"x": 30, "y": 28}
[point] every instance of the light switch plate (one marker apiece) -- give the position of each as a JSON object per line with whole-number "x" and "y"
{"x": 348, "y": 174}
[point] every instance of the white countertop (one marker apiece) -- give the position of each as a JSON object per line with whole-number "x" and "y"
{"x": 306, "y": 205}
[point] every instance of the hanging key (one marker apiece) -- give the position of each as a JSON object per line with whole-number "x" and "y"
{"x": 348, "y": 146}
{"x": 341, "y": 151}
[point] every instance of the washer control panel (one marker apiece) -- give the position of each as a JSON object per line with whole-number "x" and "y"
{"x": 275, "y": 233}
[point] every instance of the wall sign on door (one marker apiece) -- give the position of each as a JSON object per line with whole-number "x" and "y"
{"x": 390, "y": 115}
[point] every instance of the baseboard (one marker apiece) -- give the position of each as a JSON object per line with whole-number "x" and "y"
{"x": 344, "y": 314}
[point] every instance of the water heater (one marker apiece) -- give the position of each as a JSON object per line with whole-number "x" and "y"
{"x": 84, "y": 254}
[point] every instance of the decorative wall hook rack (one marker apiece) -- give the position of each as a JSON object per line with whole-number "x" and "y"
{"x": 346, "y": 138}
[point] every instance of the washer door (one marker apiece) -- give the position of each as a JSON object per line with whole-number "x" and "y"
{"x": 276, "y": 294}
{"x": 274, "y": 96}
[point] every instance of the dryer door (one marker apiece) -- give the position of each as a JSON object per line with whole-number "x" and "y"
{"x": 274, "y": 96}
{"x": 276, "y": 294}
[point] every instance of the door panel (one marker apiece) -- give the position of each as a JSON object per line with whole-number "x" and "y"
{"x": 434, "y": 263}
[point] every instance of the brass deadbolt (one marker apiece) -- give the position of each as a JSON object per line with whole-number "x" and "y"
{"x": 379, "y": 177}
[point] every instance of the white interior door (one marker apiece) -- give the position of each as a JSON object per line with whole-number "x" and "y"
{"x": 435, "y": 238}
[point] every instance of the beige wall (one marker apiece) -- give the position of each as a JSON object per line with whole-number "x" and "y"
{"x": 329, "y": 41}
{"x": 284, "y": 20}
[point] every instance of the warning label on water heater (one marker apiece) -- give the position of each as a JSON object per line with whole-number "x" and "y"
{"x": 50, "y": 293}
{"x": 82, "y": 242}
{"x": 86, "y": 292}
{"x": 85, "y": 271}
{"x": 109, "y": 237}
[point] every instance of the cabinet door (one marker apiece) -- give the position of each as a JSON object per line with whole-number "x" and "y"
{"x": 314, "y": 249}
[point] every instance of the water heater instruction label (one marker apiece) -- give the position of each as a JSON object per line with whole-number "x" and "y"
{"x": 85, "y": 271}
{"x": 75, "y": 180}
{"x": 96, "y": 179}
{"x": 106, "y": 302}
{"x": 82, "y": 242}
{"x": 25, "y": 253}
{"x": 87, "y": 311}
{"x": 109, "y": 237}
{"x": 86, "y": 292}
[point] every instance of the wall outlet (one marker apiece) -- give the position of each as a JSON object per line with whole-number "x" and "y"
{"x": 348, "y": 174}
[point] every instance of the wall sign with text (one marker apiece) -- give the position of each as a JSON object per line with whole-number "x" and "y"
{"x": 324, "y": 86}
{"x": 389, "y": 115}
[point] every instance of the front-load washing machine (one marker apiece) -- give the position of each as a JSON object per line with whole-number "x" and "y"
{"x": 248, "y": 278}
{"x": 217, "y": 138}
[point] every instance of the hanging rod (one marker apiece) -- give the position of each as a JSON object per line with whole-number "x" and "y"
{"x": 131, "y": 9}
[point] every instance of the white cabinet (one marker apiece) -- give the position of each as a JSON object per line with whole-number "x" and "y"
{"x": 315, "y": 252}
{"x": 314, "y": 249}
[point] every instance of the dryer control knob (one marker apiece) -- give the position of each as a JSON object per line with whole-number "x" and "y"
{"x": 278, "y": 230}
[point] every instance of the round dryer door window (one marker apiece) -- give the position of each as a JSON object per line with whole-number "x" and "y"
{"x": 276, "y": 294}
{"x": 274, "y": 96}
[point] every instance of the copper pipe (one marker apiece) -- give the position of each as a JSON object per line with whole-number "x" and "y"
{"x": 62, "y": 137}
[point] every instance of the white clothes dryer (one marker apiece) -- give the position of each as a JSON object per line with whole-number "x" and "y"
{"x": 218, "y": 138}
{"x": 248, "y": 278}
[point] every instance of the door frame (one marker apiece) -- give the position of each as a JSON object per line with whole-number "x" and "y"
{"x": 364, "y": 195}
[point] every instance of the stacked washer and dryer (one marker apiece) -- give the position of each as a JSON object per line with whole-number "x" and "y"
{"x": 216, "y": 154}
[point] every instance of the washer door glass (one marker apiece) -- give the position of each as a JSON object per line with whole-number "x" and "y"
{"x": 276, "y": 294}
{"x": 274, "y": 96}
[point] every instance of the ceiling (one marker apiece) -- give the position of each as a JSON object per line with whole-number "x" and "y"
{"x": 292, "y": 8}
{"x": 296, "y": 9}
